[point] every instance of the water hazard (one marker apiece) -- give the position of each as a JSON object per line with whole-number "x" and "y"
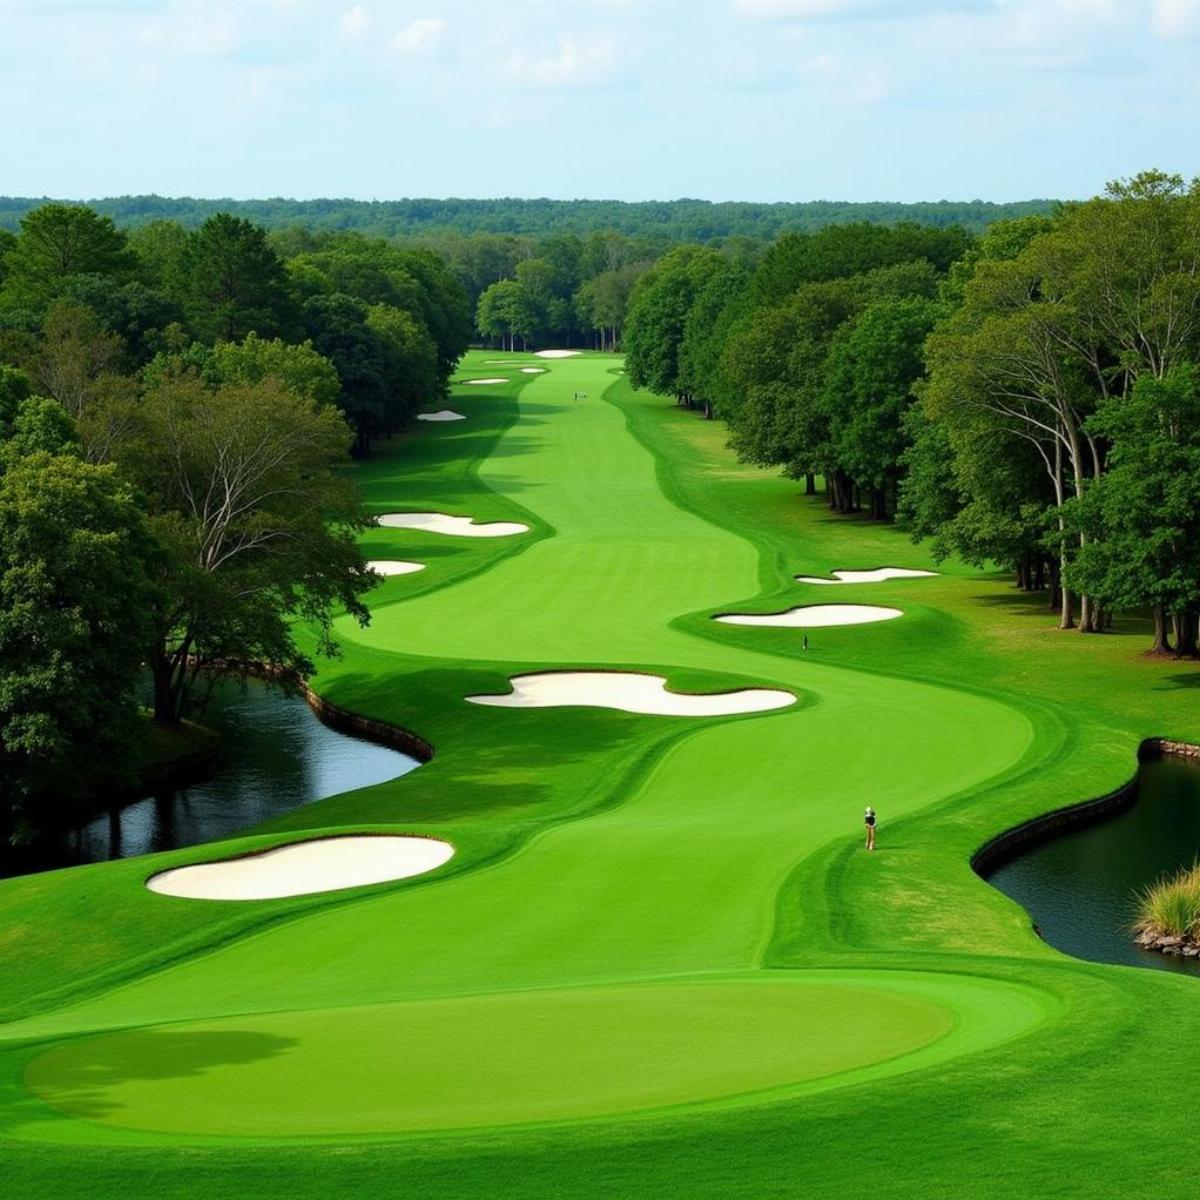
{"x": 1081, "y": 887}
{"x": 275, "y": 756}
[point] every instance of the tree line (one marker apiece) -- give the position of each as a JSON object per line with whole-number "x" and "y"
{"x": 674, "y": 220}
{"x": 176, "y": 410}
{"x": 1028, "y": 397}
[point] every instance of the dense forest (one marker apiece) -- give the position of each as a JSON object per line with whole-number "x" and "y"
{"x": 674, "y": 220}
{"x": 175, "y": 410}
{"x": 1030, "y": 397}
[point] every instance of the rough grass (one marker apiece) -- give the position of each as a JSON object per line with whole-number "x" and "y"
{"x": 1171, "y": 907}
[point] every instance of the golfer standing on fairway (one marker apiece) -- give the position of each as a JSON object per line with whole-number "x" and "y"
{"x": 870, "y": 821}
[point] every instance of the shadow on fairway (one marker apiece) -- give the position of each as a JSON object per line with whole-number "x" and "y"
{"x": 78, "y": 1077}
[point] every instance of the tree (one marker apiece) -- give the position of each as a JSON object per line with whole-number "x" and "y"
{"x": 75, "y": 354}
{"x": 337, "y": 327}
{"x": 232, "y": 283}
{"x": 507, "y": 311}
{"x": 1143, "y": 515}
{"x": 299, "y": 368}
{"x": 658, "y": 311}
{"x": 873, "y": 364}
{"x": 59, "y": 243}
{"x": 246, "y": 493}
{"x": 75, "y": 594}
{"x": 409, "y": 359}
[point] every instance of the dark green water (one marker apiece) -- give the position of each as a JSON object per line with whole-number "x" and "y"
{"x": 1080, "y": 888}
{"x": 275, "y": 756}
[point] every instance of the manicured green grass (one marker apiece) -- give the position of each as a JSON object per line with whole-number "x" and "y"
{"x": 661, "y": 962}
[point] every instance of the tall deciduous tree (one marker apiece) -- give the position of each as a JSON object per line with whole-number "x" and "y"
{"x": 246, "y": 492}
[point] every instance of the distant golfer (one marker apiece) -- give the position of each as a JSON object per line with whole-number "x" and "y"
{"x": 870, "y": 823}
{"x": 804, "y": 644}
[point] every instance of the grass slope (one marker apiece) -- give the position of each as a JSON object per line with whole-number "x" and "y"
{"x": 613, "y": 987}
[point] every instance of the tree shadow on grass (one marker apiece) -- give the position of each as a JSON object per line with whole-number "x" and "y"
{"x": 79, "y": 1078}
{"x": 1173, "y": 683}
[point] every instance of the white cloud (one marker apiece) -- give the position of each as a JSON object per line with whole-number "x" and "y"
{"x": 1176, "y": 19}
{"x": 355, "y": 21}
{"x": 577, "y": 62}
{"x": 420, "y": 37}
{"x": 190, "y": 28}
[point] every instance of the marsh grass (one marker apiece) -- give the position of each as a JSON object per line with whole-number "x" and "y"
{"x": 1171, "y": 907}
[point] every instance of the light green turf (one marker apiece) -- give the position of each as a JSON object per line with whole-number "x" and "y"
{"x": 614, "y": 954}
{"x": 524, "y": 1057}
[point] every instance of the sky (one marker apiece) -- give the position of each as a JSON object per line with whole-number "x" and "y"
{"x": 628, "y": 99}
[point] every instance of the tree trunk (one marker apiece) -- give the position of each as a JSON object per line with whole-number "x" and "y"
{"x": 1185, "y": 631}
{"x": 810, "y": 484}
{"x": 1087, "y": 615}
{"x": 166, "y": 692}
{"x": 1162, "y": 644}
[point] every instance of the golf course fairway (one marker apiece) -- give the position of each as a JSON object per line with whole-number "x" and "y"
{"x": 659, "y": 961}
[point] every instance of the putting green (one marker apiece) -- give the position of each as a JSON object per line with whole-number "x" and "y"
{"x": 516, "y": 1057}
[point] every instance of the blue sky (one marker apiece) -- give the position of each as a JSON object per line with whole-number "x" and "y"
{"x": 632, "y": 99}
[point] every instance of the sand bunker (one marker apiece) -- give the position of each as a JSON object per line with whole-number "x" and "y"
{"x": 302, "y": 868}
{"x": 394, "y": 566}
{"x": 482, "y": 381}
{"x": 557, "y": 353}
{"x": 444, "y": 414}
{"x": 876, "y": 576}
{"x": 432, "y": 522}
{"x": 813, "y": 616}
{"x": 533, "y": 370}
{"x": 629, "y": 692}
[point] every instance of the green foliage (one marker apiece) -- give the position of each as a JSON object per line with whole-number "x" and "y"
{"x": 75, "y": 594}
{"x": 280, "y": 544}
{"x": 231, "y": 282}
{"x": 57, "y": 245}
{"x": 678, "y": 220}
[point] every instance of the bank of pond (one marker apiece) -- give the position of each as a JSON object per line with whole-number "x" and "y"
{"x": 1081, "y": 887}
{"x": 275, "y": 755}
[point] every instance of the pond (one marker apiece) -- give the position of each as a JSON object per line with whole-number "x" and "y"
{"x": 275, "y": 756}
{"x": 1080, "y": 888}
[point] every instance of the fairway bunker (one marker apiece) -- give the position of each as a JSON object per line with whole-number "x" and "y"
{"x": 878, "y": 575}
{"x": 301, "y": 868}
{"x": 394, "y": 566}
{"x": 479, "y": 382}
{"x": 629, "y": 692}
{"x": 432, "y": 522}
{"x": 533, "y": 370}
{"x": 444, "y": 414}
{"x": 815, "y": 616}
{"x": 557, "y": 353}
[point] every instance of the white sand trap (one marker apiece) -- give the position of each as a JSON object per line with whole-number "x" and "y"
{"x": 877, "y": 576}
{"x": 629, "y": 692}
{"x": 299, "y": 869}
{"x": 444, "y": 414}
{"x": 557, "y": 353}
{"x": 394, "y": 566}
{"x": 480, "y": 382}
{"x": 813, "y": 616}
{"x": 433, "y": 522}
{"x": 533, "y": 370}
